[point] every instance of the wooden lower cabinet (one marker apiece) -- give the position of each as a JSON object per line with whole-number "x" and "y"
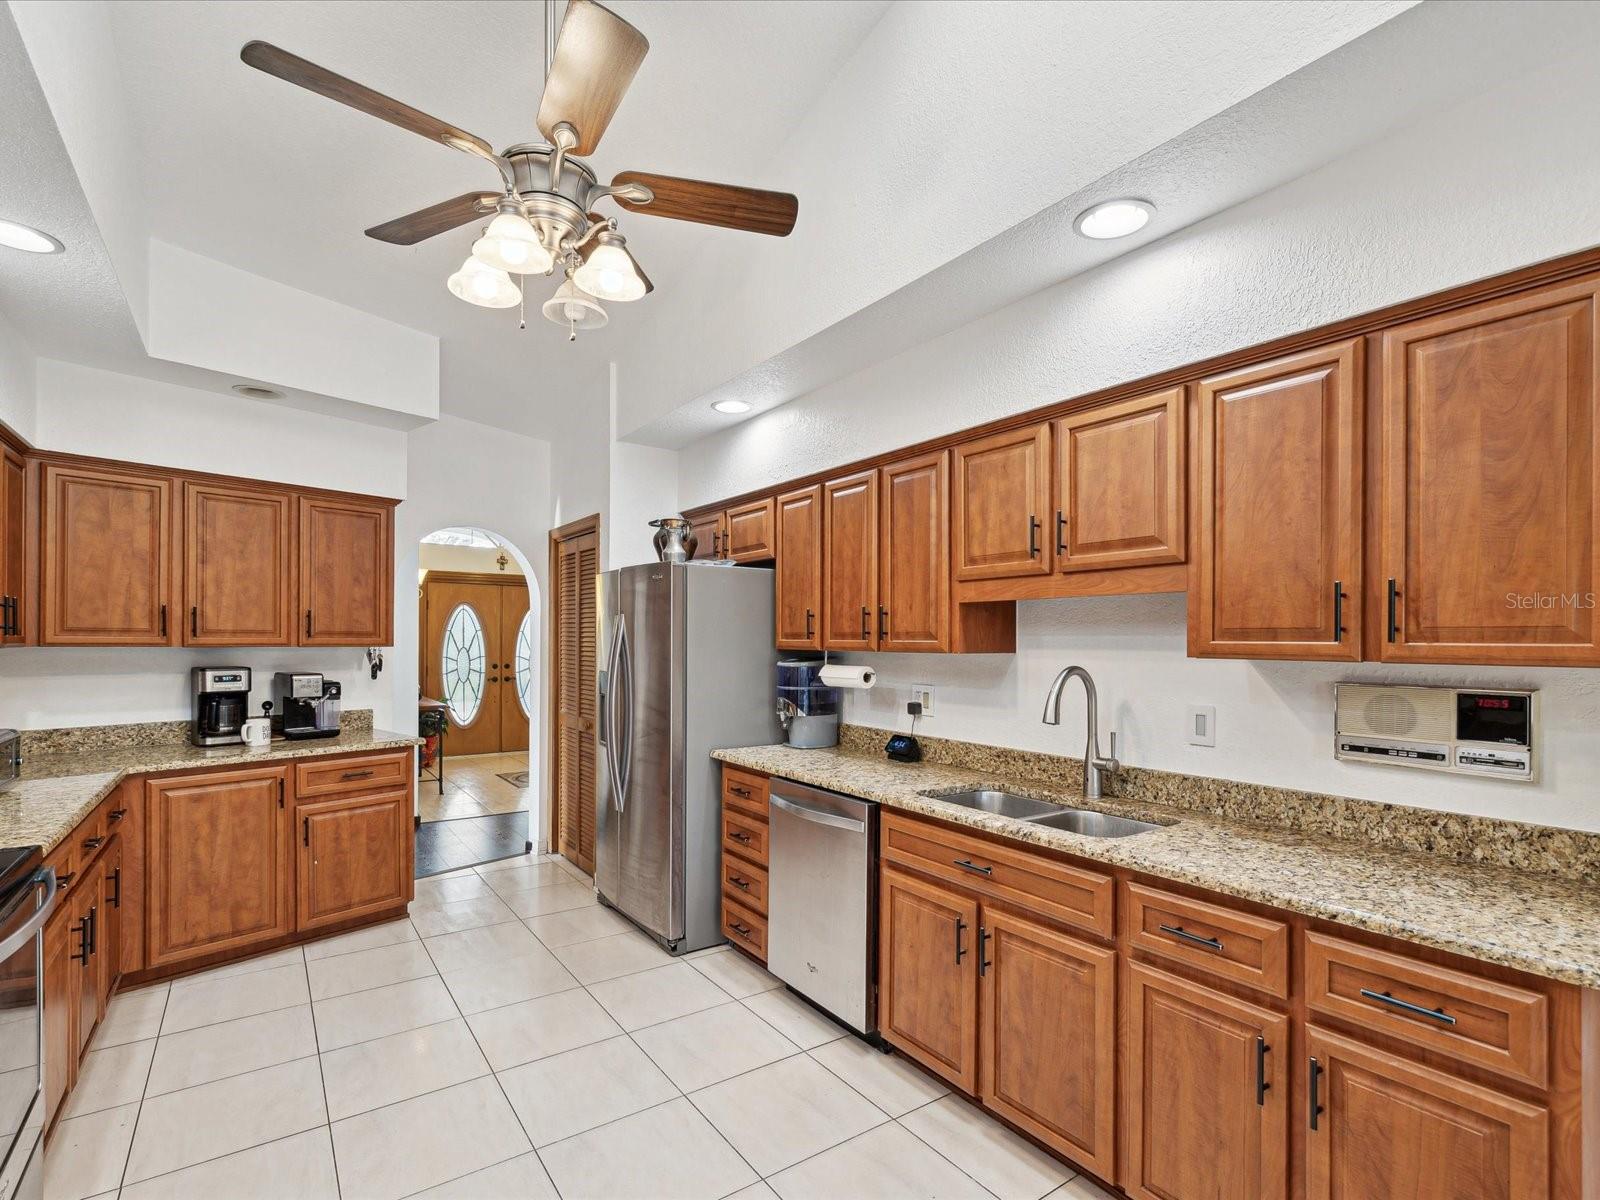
{"x": 1206, "y": 1093}
{"x": 928, "y": 975}
{"x": 60, "y": 1003}
{"x": 221, "y": 863}
{"x": 1389, "y": 1127}
{"x": 108, "y": 926}
{"x": 1048, "y": 1036}
{"x": 354, "y": 857}
{"x": 86, "y": 960}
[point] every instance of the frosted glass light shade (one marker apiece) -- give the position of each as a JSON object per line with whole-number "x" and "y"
{"x": 511, "y": 244}
{"x": 610, "y": 274}
{"x": 574, "y": 309}
{"x": 478, "y": 283}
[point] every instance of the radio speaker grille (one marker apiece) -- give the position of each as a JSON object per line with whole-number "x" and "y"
{"x": 1419, "y": 713}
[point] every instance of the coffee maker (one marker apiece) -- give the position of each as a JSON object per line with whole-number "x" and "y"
{"x": 307, "y": 704}
{"x": 221, "y": 700}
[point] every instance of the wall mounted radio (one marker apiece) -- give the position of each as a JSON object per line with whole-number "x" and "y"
{"x": 1470, "y": 731}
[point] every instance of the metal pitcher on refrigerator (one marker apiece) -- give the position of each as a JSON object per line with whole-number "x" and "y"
{"x": 686, "y": 668}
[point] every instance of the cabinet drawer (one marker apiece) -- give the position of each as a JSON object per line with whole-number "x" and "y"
{"x": 745, "y": 882}
{"x": 64, "y": 858}
{"x": 1220, "y": 941}
{"x": 745, "y": 837}
{"x": 1500, "y": 1026}
{"x": 91, "y": 834}
{"x": 334, "y": 776}
{"x": 745, "y": 791}
{"x": 1032, "y": 881}
{"x": 744, "y": 928}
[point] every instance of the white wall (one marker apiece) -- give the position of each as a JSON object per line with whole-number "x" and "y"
{"x": 482, "y": 560}
{"x": 1472, "y": 191}
{"x": 643, "y": 486}
{"x": 18, "y": 382}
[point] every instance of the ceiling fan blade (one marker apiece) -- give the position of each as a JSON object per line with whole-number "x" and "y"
{"x": 436, "y": 218}
{"x": 596, "y": 56}
{"x": 713, "y": 203}
{"x": 291, "y": 67}
{"x": 591, "y": 245}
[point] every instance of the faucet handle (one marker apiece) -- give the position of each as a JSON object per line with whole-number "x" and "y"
{"x": 1111, "y": 761}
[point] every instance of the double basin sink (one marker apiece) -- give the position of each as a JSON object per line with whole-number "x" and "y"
{"x": 1040, "y": 812}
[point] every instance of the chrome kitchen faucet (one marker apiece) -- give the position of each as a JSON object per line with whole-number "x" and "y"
{"x": 1093, "y": 765}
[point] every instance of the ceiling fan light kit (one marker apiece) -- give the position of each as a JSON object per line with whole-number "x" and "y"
{"x": 546, "y": 217}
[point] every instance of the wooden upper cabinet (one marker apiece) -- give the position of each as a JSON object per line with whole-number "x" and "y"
{"x": 219, "y": 871}
{"x": 850, "y": 562}
{"x": 1489, "y": 502}
{"x": 1278, "y": 500}
{"x": 1002, "y": 501}
{"x": 1047, "y": 1057}
{"x": 1206, "y": 1094}
{"x": 107, "y": 550}
{"x": 346, "y": 572}
{"x": 928, "y": 975}
{"x": 1120, "y": 496}
{"x": 914, "y": 550}
{"x": 710, "y": 532}
{"x": 799, "y": 575}
{"x": 238, "y": 566}
{"x": 751, "y": 536}
{"x": 1388, "y": 1127}
{"x": 13, "y": 546}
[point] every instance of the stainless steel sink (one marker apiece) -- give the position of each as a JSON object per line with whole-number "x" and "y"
{"x": 1005, "y": 804}
{"x": 1092, "y": 824}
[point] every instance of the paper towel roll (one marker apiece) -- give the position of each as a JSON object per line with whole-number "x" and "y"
{"x": 841, "y": 675}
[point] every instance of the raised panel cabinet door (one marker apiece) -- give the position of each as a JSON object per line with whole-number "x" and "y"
{"x": 219, "y": 863}
{"x": 13, "y": 544}
{"x": 1490, "y": 494}
{"x": 799, "y": 581}
{"x": 1384, "y": 1126}
{"x": 1205, "y": 1093}
{"x": 710, "y": 533}
{"x": 60, "y": 1059}
{"x": 751, "y": 536}
{"x": 354, "y": 858}
{"x": 914, "y": 553}
{"x": 928, "y": 976}
{"x": 850, "y": 562}
{"x": 1047, "y": 1056}
{"x": 86, "y": 960}
{"x": 1120, "y": 484}
{"x": 1279, "y": 478}
{"x": 238, "y": 566}
{"x": 108, "y": 930}
{"x": 1002, "y": 501}
{"x": 346, "y": 573}
{"x": 107, "y": 558}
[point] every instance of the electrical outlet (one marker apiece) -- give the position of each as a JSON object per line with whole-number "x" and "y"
{"x": 1202, "y": 729}
{"x": 923, "y": 694}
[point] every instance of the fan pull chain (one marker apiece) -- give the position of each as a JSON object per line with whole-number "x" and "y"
{"x": 522, "y": 307}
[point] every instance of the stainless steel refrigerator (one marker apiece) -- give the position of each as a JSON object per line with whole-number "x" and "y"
{"x": 686, "y": 667}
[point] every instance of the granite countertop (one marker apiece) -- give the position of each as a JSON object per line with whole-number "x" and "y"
{"x": 1541, "y": 924}
{"x": 56, "y": 791}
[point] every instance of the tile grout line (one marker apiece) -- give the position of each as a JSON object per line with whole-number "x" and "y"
{"x": 322, "y": 1077}
{"x": 122, "y": 1179}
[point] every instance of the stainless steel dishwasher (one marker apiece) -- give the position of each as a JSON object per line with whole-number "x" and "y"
{"x": 822, "y": 899}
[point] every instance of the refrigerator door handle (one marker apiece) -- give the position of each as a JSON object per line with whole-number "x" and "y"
{"x": 625, "y": 667}
{"x": 607, "y": 715}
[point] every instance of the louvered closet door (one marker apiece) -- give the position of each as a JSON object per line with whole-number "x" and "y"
{"x": 579, "y": 562}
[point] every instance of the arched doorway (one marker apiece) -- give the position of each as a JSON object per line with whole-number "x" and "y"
{"x": 477, "y": 641}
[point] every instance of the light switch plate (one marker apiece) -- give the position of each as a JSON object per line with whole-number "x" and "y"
{"x": 1202, "y": 728}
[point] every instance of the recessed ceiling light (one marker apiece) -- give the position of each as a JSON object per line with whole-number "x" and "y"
{"x": 256, "y": 392}
{"x": 731, "y": 406}
{"x": 1114, "y": 218}
{"x": 26, "y": 237}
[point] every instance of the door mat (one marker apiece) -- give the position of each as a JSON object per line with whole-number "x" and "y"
{"x": 515, "y": 778}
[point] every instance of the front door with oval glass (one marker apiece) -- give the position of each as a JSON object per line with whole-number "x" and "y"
{"x": 478, "y": 657}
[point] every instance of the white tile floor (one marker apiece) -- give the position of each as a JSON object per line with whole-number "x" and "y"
{"x": 512, "y": 1040}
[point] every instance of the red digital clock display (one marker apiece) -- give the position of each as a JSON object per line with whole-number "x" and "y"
{"x": 1492, "y": 701}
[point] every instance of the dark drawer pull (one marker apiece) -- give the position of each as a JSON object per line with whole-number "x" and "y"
{"x": 93, "y": 843}
{"x": 357, "y": 775}
{"x": 65, "y": 877}
{"x": 1313, "y": 1087}
{"x": 115, "y": 899}
{"x": 82, "y": 930}
{"x": 739, "y": 837}
{"x": 1262, "y": 1086}
{"x": 961, "y": 951}
{"x": 968, "y": 865}
{"x": 742, "y": 884}
{"x": 983, "y": 950}
{"x": 1033, "y": 537}
{"x": 866, "y": 623}
{"x": 743, "y": 931}
{"x": 1405, "y": 1006}
{"x": 739, "y": 791}
{"x": 1178, "y": 931}
{"x": 116, "y": 814}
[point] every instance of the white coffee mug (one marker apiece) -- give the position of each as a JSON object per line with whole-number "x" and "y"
{"x": 257, "y": 731}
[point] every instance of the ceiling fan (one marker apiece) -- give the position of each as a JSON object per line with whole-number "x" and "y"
{"x": 544, "y": 217}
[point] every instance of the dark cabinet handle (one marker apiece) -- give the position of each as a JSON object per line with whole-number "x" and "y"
{"x": 740, "y": 791}
{"x": 1338, "y": 610}
{"x": 716, "y": 550}
{"x": 983, "y": 950}
{"x": 115, "y": 899}
{"x": 1178, "y": 931}
{"x": 1313, "y": 1086}
{"x": 969, "y": 865}
{"x": 1394, "y": 625}
{"x": 194, "y": 620}
{"x": 280, "y": 793}
{"x": 961, "y": 951}
{"x": 1033, "y": 536}
{"x": 94, "y": 926}
{"x": 739, "y": 882}
{"x": 8, "y": 622}
{"x": 883, "y": 623}
{"x": 1262, "y": 1086}
{"x": 866, "y": 623}
{"x": 743, "y": 838}
{"x": 94, "y": 843}
{"x": 743, "y": 930}
{"x": 116, "y": 814}
{"x": 82, "y": 930}
{"x": 1405, "y": 1006}
{"x": 65, "y": 877}
{"x": 308, "y": 622}
{"x": 1061, "y": 532}
{"x": 357, "y": 775}
{"x": 305, "y": 831}
{"x": 810, "y": 619}
{"x": 163, "y": 620}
